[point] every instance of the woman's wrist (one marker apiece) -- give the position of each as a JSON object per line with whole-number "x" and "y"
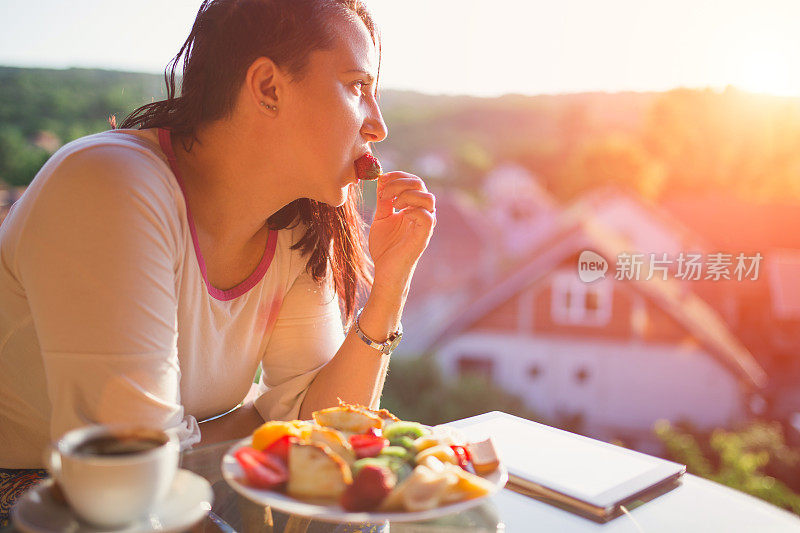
{"x": 381, "y": 314}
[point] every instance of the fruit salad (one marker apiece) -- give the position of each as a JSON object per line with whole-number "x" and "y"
{"x": 367, "y": 460}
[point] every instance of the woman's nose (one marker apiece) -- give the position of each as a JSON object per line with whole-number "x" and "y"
{"x": 374, "y": 129}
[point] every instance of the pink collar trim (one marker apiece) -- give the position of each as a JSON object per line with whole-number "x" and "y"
{"x": 166, "y": 145}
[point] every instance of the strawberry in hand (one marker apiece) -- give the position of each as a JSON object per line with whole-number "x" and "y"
{"x": 368, "y": 167}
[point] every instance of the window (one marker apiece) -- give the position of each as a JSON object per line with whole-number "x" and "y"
{"x": 582, "y": 376}
{"x": 534, "y": 372}
{"x": 592, "y": 301}
{"x": 475, "y": 366}
{"x": 576, "y": 302}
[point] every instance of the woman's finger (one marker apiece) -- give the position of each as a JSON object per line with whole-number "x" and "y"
{"x": 412, "y": 198}
{"x": 396, "y": 185}
{"x": 421, "y": 217}
{"x": 384, "y": 207}
{"x": 388, "y": 177}
{"x": 390, "y": 185}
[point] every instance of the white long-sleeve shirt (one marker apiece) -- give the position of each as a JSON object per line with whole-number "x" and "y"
{"x": 106, "y": 315}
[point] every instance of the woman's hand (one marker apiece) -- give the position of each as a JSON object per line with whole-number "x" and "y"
{"x": 397, "y": 239}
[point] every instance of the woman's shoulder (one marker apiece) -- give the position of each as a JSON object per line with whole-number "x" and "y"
{"x": 109, "y": 165}
{"x": 136, "y": 151}
{"x": 111, "y": 174}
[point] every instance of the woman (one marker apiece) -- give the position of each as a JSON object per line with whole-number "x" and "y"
{"x": 147, "y": 273}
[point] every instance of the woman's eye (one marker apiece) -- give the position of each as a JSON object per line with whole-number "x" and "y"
{"x": 360, "y": 85}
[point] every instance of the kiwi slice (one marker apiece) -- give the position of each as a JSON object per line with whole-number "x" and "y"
{"x": 397, "y": 465}
{"x": 400, "y": 452}
{"x": 412, "y": 430}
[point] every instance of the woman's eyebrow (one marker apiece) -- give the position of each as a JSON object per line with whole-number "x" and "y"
{"x": 370, "y": 77}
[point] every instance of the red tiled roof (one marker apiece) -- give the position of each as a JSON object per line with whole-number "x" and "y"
{"x": 576, "y": 231}
{"x": 730, "y": 224}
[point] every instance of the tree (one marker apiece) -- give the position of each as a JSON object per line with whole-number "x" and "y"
{"x": 19, "y": 159}
{"x": 731, "y": 141}
{"x": 754, "y": 459}
{"x": 66, "y": 103}
{"x": 613, "y": 160}
{"x": 416, "y": 390}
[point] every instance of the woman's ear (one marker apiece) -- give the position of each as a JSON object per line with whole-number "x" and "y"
{"x": 262, "y": 83}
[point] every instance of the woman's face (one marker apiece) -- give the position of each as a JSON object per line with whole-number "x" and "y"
{"x": 332, "y": 114}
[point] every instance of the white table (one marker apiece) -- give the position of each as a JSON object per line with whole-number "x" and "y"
{"x": 696, "y": 505}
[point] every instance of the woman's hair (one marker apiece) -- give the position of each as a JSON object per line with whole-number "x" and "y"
{"x": 227, "y": 36}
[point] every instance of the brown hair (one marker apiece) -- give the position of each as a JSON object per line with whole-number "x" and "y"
{"x": 227, "y": 36}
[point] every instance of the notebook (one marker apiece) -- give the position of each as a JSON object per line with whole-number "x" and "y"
{"x": 583, "y": 475}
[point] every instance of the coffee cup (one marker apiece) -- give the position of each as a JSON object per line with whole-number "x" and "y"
{"x": 113, "y": 475}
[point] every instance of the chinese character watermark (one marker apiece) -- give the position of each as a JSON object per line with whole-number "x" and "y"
{"x": 591, "y": 266}
{"x": 752, "y": 269}
{"x": 629, "y": 266}
{"x": 690, "y": 266}
{"x": 685, "y": 266}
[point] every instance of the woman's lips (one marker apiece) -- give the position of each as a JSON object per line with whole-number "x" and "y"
{"x": 367, "y": 167}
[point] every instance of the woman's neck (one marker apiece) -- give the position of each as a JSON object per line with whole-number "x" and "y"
{"x": 229, "y": 188}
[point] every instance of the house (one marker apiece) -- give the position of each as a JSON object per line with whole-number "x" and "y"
{"x": 520, "y": 211}
{"x": 618, "y": 354}
{"x": 461, "y": 255}
{"x": 764, "y": 313}
{"x": 646, "y": 226}
{"x": 471, "y": 246}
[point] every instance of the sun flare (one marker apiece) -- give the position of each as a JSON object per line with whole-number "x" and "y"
{"x": 767, "y": 66}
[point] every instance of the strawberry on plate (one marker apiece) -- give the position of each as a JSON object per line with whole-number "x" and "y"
{"x": 262, "y": 470}
{"x": 367, "y": 445}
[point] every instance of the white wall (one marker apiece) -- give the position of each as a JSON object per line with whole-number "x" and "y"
{"x": 630, "y": 384}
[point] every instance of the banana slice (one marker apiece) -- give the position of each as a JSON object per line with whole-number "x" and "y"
{"x": 420, "y": 491}
{"x": 444, "y": 453}
{"x": 336, "y": 441}
{"x": 429, "y": 441}
{"x": 467, "y": 486}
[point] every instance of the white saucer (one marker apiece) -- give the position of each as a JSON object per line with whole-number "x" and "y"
{"x": 188, "y": 502}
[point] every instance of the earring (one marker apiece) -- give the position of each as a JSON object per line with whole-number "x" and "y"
{"x": 267, "y": 106}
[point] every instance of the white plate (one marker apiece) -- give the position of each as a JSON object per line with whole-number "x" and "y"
{"x": 188, "y": 502}
{"x": 233, "y": 474}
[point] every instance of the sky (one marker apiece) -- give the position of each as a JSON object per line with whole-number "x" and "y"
{"x": 466, "y": 46}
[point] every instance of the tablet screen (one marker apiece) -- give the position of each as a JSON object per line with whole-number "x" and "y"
{"x": 562, "y": 461}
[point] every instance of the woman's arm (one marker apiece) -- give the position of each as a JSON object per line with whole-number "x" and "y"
{"x": 357, "y": 372}
{"x": 362, "y": 368}
{"x": 237, "y": 424}
{"x": 309, "y": 363}
{"x": 97, "y": 262}
{"x": 400, "y": 232}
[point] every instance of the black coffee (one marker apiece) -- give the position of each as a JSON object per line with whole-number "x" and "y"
{"x": 117, "y": 445}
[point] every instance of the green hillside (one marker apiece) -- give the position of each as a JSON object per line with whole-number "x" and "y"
{"x": 653, "y": 144}
{"x": 42, "y": 108}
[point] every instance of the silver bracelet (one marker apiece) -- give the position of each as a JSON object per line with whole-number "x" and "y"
{"x": 385, "y": 347}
